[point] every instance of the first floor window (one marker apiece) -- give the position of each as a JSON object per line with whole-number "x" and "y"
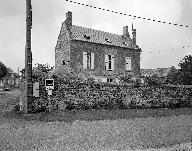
{"x": 64, "y": 62}
{"x": 128, "y": 63}
{"x": 109, "y": 62}
{"x": 88, "y": 60}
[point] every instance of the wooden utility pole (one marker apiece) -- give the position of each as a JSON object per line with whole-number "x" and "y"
{"x": 28, "y": 59}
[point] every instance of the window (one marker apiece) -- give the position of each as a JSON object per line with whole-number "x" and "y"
{"x": 88, "y": 60}
{"x": 117, "y": 80}
{"x": 128, "y": 63}
{"x": 109, "y": 62}
{"x": 104, "y": 79}
{"x": 96, "y": 79}
{"x": 107, "y": 40}
{"x": 63, "y": 62}
{"x": 87, "y": 37}
{"x": 126, "y": 43}
{"x": 109, "y": 80}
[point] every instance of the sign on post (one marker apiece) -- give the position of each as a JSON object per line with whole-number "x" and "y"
{"x": 49, "y": 84}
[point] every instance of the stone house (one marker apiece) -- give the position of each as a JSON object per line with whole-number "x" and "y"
{"x": 97, "y": 54}
{"x": 11, "y": 79}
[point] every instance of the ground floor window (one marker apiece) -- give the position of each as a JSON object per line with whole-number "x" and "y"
{"x": 109, "y": 80}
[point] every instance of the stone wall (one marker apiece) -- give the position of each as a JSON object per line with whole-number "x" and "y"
{"x": 62, "y": 50}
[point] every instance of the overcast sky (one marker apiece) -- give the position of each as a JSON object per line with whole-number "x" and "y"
{"x": 165, "y": 42}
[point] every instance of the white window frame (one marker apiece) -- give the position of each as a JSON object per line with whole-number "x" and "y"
{"x": 88, "y": 60}
{"x": 104, "y": 79}
{"x": 109, "y": 62}
{"x": 128, "y": 65}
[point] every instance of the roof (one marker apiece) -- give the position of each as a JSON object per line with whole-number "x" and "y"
{"x": 161, "y": 72}
{"x": 95, "y": 36}
{"x": 11, "y": 75}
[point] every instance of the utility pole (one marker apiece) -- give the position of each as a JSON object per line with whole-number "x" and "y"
{"x": 28, "y": 59}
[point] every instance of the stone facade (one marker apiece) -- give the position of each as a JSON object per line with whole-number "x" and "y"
{"x": 74, "y": 40}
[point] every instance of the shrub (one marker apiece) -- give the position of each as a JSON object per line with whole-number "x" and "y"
{"x": 73, "y": 92}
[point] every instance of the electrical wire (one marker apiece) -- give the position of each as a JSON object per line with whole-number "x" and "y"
{"x": 130, "y": 15}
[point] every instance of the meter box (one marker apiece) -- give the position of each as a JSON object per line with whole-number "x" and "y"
{"x": 49, "y": 84}
{"x": 36, "y": 89}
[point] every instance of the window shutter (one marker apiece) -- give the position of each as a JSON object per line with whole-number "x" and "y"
{"x": 92, "y": 60}
{"x": 112, "y": 62}
{"x": 107, "y": 62}
{"x": 84, "y": 60}
{"x": 128, "y": 63}
{"x": 104, "y": 79}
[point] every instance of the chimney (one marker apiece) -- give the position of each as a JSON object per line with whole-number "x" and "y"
{"x": 133, "y": 36}
{"x": 68, "y": 20}
{"x": 126, "y": 32}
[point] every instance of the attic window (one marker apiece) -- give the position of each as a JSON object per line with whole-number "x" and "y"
{"x": 125, "y": 43}
{"x": 87, "y": 37}
{"x": 107, "y": 40}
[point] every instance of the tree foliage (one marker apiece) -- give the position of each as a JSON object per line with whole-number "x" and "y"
{"x": 185, "y": 71}
{"x": 40, "y": 72}
{"x": 153, "y": 80}
{"x": 172, "y": 76}
{"x": 3, "y": 70}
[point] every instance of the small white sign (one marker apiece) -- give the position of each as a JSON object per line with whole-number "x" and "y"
{"x": 49, "y": 84}
{"x": 49, "y": 92}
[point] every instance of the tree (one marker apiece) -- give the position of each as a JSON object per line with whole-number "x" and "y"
{"x": 153, "y": 80}
{"x": 40, "y": 72}
{"x": 3, "y": 70}
{"x": 172, "y": 76}
{"x": 185, "y": 70}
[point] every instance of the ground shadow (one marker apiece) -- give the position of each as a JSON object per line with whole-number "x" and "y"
{"x": 69, "y": 116}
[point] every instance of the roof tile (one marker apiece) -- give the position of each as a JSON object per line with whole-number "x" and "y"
{"x": 100, "y": 37}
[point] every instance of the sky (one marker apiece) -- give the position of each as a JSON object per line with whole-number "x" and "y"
{"x": 162, "y": 45}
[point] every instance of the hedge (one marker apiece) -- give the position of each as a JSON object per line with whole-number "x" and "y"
{"x": 72, "y": 92}
{"x": 85, "y": 95}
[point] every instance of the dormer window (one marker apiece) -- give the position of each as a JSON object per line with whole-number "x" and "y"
{"x": 87, "y": 37}
{"x": 125, "y": 43}
{"x": 107, "y": 40}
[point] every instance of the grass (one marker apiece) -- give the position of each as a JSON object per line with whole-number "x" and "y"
{"x": 92, "y": 130}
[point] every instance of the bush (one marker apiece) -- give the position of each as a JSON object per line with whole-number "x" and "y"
{"x": 73, "y": 92}
{"x": 153, "y": 80}
{"x": 172, "y": 76}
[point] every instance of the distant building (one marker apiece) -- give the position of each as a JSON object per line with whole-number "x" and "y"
{"x": 160, "y": 72}
{"x": 97, "y": 54}
{"x": 11, "y": 79}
